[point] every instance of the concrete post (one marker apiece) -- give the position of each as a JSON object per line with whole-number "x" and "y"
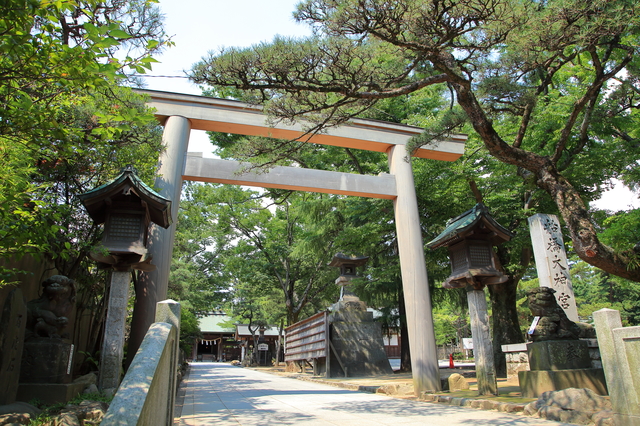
{"x": 114, "y": 330}
{"x": 482, "y": 346}
{"x": 422, "y": 340}
{"x": 619, "y": 347}
{"x": 169, "y": 311}
{"x": 152, "y": 286}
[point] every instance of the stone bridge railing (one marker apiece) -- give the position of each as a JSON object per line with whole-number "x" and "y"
{"x": 146, "y": 395}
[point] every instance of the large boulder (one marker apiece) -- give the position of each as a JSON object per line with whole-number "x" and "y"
{"x": 87, "y": 412}
{"x": 20, "y": 407}
{"x": 578, "y": 406}
{"x": 18, "y": 413}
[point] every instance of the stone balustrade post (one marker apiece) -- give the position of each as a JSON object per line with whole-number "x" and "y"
{"x": 169, "y": 311}
{"x": 619, "y": 349}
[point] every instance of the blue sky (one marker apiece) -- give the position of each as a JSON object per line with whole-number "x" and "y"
{"x": 200, "y": 26}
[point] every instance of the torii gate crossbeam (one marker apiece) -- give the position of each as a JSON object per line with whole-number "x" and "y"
{"x": 180, "y": 113}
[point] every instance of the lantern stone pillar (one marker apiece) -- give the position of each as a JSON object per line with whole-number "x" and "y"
{"x": 415, "y": 284}
{"x": 482, "y": 346}
{"x": 474, "y": 265}
{"x": 114, "y": 331}
{"x": 126, "y": 206}
{"x": 151, "y": 287}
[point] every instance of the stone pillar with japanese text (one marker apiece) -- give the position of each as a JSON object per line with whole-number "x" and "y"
{"x": 551, "y": 260}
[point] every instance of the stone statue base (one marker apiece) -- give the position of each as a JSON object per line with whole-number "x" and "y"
{"x": 557, "y": 365}
{"x": 46, "y": 360}
{"x": 49, "y": 393}
{"x": 357, "y": 342}
{"x": 558, "y": 355}
{"x": 535, "y": 383}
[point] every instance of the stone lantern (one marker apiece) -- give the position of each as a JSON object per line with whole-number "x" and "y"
{"x": 126, "y": 206}
{"x": 347, "y": 265}
{"x": 470, "y": 238}
{"x": 356, "y": 348}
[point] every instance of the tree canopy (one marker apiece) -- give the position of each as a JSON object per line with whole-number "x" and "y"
{"x": 67, "y": 122}
{"x": 550, "y": 88}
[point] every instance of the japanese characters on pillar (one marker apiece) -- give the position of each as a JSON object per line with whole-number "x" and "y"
{"x": 551, "y": 261}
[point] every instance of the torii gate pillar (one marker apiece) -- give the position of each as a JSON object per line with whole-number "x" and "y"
{"x": 415, "y": 284}
{"x": 152, "y": 286}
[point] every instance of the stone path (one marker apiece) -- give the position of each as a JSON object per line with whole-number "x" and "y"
{"x": 220, "y": 394}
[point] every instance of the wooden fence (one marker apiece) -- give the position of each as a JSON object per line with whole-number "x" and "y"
{"x": 308, "y": 341}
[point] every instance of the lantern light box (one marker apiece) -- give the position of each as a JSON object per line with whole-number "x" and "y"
{"x": 126, "y": 206}
{"x": 470, "y": 238}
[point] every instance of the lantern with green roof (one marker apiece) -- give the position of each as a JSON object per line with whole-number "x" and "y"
{"x": 470, "y": 238}
{"x": 126, "y": 206}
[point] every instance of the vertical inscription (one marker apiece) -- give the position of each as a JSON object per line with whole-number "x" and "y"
{"x": 551, "y": 260}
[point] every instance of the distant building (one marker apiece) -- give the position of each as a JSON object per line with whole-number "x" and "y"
{"x": 218, "y": 341}
{"x": 267, "y": 336}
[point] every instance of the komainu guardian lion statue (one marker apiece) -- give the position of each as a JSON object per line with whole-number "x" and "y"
{"x": 553, "y": 323}
{"x": 48, "y": 316}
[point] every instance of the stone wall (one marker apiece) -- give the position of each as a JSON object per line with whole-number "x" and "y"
{"x": 144, "y": 392}
{"x": 517, "y": 358}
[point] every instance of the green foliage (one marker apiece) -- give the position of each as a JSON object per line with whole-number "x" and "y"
{"x": 50, "y": 411}
{"x": 92, "y": 359}
{"x": 595, "y": 289}
{"x": 450, "y": 325}
{"x": 550, "y": 90}
{"x": 189, "y": 330}
{"x": 623, "y": 233}
{"x": 250, "y": 254}
{"x": 69, "y": 122}
{"x": 524, "y": 313}
{"x": 64, "y": 120}
{"x": 66, "y": 125}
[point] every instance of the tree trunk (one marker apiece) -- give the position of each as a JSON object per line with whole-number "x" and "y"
{"x": 581, "y": 230}
{"x": 279, "y": 343}
{"x": 575, "y": 214}
{"x": 405, "y": 354}
{"x": 504, "y": 321}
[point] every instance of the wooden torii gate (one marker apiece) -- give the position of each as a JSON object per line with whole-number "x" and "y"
{"x": 181, "y": 113}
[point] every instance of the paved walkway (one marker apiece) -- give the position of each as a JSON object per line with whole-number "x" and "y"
{"x": 221, "y": 394}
